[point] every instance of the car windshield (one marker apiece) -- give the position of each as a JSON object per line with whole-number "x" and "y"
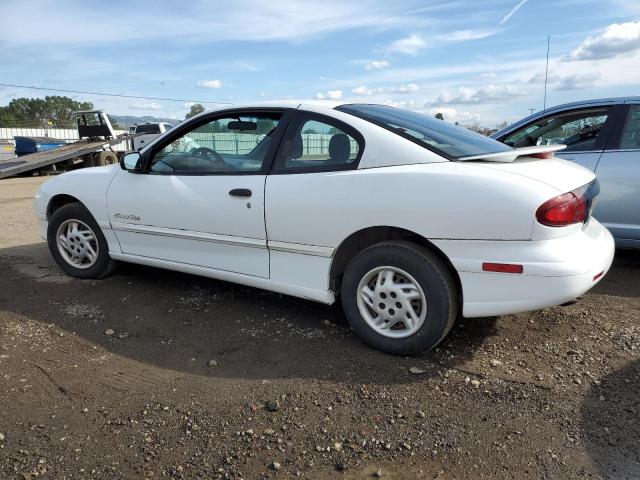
{"x": 448, "y": 140}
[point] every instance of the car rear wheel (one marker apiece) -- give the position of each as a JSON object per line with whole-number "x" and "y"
{"x": 77, "y": 243}
{"x": 399, "y": 297}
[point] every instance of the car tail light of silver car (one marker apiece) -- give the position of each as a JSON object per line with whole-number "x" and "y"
{"x": 569, "y": 208}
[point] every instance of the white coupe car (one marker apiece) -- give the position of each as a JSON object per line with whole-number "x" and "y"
{"x": 410, "y": 220}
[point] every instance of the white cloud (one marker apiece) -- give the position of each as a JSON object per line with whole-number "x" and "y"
{"x": 146, "y": 106}
{"x": 511, "y": 12}
{"x": 465, "y": 35}
{"x": 416, "y": 42}
{"x": 404, "y": 88}
{"x": 259, "y": 20}
{"x": 209, "y": 83}
{"x": 573, "y": 81}
{"x": 376, "y": 65}
{"x": 408, "y": 88}
{"x": 487, "y": 94}
{"x": 330, "y": 95}
{"x": 616, "y": 39}
{"x": 410, "y": 104}
{"x": 452, "y": 115}
{"x": 489, "y": 75}
{"x": 540, "y": 78}
{"x": 366, "y": 91}
{"x": 410, "y": 45}
{"x": 577, "y": 82}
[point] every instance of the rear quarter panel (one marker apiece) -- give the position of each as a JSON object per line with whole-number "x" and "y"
{"x": 449, "y": 200}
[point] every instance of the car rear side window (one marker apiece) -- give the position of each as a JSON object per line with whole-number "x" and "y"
{"x": 316, "y": 143}
{"x": 630, "y": 139}
{"x": 578, "y": 130}
{"x": 444, "y": 138}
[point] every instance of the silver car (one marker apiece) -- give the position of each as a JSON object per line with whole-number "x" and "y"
{"x": 603, "y": 135}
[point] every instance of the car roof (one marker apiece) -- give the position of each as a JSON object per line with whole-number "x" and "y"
{"x": 284, "y": 103}
{"x": 596, "y": 101}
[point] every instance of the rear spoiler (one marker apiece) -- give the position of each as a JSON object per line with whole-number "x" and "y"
{"x": 510, "y": 155}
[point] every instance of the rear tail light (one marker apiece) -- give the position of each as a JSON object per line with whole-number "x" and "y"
{"x": 563, "y": 210}
{"x": 568, "y": 208}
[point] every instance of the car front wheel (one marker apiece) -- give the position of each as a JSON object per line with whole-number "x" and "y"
{"x": 77, "y": 243}
{"x": 399, "y": 297}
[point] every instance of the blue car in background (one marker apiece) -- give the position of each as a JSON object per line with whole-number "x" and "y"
{"x": 604, "y": 136}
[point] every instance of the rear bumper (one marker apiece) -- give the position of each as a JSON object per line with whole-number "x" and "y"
{"x": 554, "y": 271}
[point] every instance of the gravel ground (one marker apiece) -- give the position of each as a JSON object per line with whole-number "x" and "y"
{"x": 153, "y": 374}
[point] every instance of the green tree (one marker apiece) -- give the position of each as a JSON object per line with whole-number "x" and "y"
{"x": 196, "y": 108}
{"x": 48, "y": 112}
{"x": 439, "y": 116}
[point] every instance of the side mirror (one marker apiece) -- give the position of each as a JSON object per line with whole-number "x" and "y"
{"x": 131, "y": 162}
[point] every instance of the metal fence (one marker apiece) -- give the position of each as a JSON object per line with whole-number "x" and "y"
{"x": 314, "y": 144}
{"x": 231, "y": 143}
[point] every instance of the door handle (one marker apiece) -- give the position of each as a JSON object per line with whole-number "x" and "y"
{"x": 240, "y": 192}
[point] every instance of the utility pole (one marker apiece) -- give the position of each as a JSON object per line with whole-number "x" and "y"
{"x": 531, "y": 110}
{"x": 546, "y": 75}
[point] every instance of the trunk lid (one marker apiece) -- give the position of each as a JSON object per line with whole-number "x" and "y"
{"x": 563, "y": 175}
{"x": 541, "y": 151}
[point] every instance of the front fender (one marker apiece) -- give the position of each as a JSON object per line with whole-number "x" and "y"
{"x": 88, "y": 185}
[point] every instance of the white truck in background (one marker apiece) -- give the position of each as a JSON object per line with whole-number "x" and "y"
{"x": 94, "y": 148}
{"x": 145, "y": 133}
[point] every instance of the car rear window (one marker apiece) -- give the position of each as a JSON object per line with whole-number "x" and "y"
{"x": 151, "y": 128}
{"x": 448, "y": 140}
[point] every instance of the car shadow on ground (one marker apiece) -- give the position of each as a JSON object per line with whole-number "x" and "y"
{"x": 616, "y": 282}
{"x": 610, "y": 423}
{"x": 181, "y": 322}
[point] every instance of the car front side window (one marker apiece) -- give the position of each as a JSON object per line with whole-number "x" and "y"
{"x": 578, "y": 130}
{"x": 233, "y": 144}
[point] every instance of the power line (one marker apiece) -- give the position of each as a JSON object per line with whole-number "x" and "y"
{"x": 109, "y": 94}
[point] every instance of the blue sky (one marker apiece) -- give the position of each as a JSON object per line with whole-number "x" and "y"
{"x": 472, "y": 60}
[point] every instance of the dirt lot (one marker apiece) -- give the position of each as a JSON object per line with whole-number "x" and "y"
{"x": 204, "y": 379}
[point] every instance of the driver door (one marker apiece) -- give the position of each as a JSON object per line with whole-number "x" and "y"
{"x": 200, "y": 197}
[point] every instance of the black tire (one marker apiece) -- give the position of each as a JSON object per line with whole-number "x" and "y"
{"x": 430, "y": 273}
{"x": 105, "y": 158}
{"x": 103, "y": 266}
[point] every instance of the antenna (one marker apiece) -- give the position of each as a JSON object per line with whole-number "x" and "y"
{"x": 546, "y": 75}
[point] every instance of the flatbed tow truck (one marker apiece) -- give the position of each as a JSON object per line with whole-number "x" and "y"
{"x": 95, "y": 148}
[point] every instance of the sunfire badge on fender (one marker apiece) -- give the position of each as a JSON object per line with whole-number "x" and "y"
{"x": 121, "y": 216}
